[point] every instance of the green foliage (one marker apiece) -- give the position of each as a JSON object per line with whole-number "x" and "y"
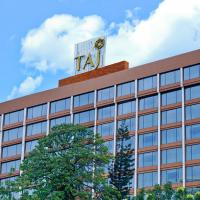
{"x": 189, "y": 197}
{"x": 180, "y": 193}
{"x": 168, "y": 191}
{"x": 122, "y": 170}
{"x": 197, "y": 196}
{"x": 68, "y": 164}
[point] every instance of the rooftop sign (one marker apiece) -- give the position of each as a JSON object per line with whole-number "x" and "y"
{"x": 90, "y": 55}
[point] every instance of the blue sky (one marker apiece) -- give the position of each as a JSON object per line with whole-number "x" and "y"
{"x": 37, "y": 37}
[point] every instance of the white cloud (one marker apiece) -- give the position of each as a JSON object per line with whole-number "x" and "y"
{"x": 51, "y": 46}
{"x": 26, "y": 87}
{"x": 173, "y": 28}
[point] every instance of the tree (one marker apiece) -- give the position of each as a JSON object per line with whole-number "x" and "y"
{"x": 168, "y": 191}
{"x": 66, "y": 165}
{"x": 197, "y": 196}
{"x": 122, "y": 169}
{"x": 180, "y": 193}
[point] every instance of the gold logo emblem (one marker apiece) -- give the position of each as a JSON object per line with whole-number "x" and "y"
{"x": 98, "y": 45}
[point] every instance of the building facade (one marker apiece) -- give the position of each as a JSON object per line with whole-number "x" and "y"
{"x": 159, "y": 102}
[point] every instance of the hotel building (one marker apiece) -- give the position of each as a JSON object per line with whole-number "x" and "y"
{"x": 158, "y": 101}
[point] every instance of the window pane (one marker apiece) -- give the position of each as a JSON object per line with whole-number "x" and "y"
{"x": 84, "y": 99}
{"x": 106, "y": 129}
{"x": 12, "y": 134}
{"x": 83, "y": 117}
{"x": 37, "y": 111}
{"x": 59, "y": 121}
{"x": 106, "y": 112}
{"x": 60, "y": 105}
{"x": 104, "y": 94}
{"x": 127, "y": 107}
{"x": 125, "y": 89}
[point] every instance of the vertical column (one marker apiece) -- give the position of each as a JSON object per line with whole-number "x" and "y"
{"x": 23, "y": 136}
{"x": 48, "y": 121}
{"x": 95, "y": 111}
{"x": 136, "y": 138}
{"x": 183, "y": 126}
{"x": 115, "y": 120}
{"x": 159, "y": 132}
{"x": 71, "y": 109}
{"x": 1, "y": 134}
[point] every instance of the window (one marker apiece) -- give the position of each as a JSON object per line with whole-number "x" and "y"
{"x": 192, "y": 92}
{"x": 192, "y": 72}
{"x": 126, "y": 89}
{"x": 171, "y": 135}
{"x": 37, "y": 128}
{"x": 12, "y": 150}
{"x": 12, "y": 134}
{"x": 59, "y": 121}
{"x": 192, "y": 111}
{"x": 31, "y": 145}
{"x": 106, "y": 112}
{"x": 147, "y": 179}
{"x": 170, "y": 77}
{"x": 83, "y": 117}
{"x": 171, "y": 97}
{"x": 109, "y": 145}
{"x": 148, "y": 83}
{"x": 14, "y": 117}
{"x": 148, "y": 139}
{"x": 148, "y": 159}
{"x": 60, "y": 105}
{"x": 172, "y": 155}
{"x": 126, "y": 107}
{"x": 148, "y": 102}
{"x": 130, "y": 143}
{"x": 193, "y": 152}
{"x": 84, "y": 99}
{"x": 192, "y": 131}
{"x": 130, "y": 123}
{"x": 171, "y": 116}
{"x": 146, "y": 121}
{"x": 10, "y": 179}
{"x": 105, "y": 94}
{"x": 106, "y": 129}
{"x": 9, "y": 167}
{"x": 37, "y": 111}
{"x": 192, "y": 173}
{"x": 172, "y": 176}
